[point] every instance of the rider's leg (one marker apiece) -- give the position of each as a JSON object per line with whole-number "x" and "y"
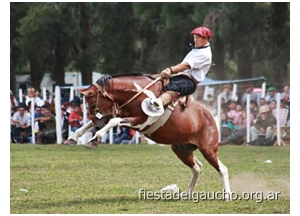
{"x": 164, "y": 99}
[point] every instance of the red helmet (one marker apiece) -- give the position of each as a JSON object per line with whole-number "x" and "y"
{"x": 202, "y": 31}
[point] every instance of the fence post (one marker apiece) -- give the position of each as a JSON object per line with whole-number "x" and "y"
{"x": 278, "y": 118}
{"x": 111, "y": 136}
{"x": 71, "y": 94}
{"x": 58, "y": 115}
{"x": 234, "y": 97}
{"x": 32, "y": 122}
{"x": 248, "y": 117}
{"x": 263, "y": 90}
{"x": 44, "y": 94}
{"x": 20, "y": 96}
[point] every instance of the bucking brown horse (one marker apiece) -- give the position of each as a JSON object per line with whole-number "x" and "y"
{"x": 186, "y": 126}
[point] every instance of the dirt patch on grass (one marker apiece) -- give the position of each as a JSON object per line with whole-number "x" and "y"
{"x": 250, "y": 182}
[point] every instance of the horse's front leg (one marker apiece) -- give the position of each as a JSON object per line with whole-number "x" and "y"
{"x": 72, "y": 140}
{"x": 92, "y": 143}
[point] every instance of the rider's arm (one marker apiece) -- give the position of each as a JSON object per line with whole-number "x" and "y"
{"x": 174, "y": 69}
{"x": 179, "y": 68}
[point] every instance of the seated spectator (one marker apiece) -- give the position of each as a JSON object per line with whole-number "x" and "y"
{"x": 285, "y": 95}
{"x": 12, "y": 125}
{"x": 50, "y": 101}
{"x": 136, "y": 138}
{"x": 233, "y": 115}
{"x": 270, "y": 94}
{"x": 226, "y": 94}
{"x": 68, "y": 107}
{"x": 272, "y": 107}
{"x": 38, "y": 93}
{"x": 76, "y": 118}
{"x": 224, "y": 106}
{"x": 31, "y": 97}
{"x": 227, "y": 126}
{"x": 262, "y": 101}
{"x": 38, "y": 113}
{"x": 22, "y": 129}
{"x": 76, "y": 100}
{"x": 263, "y": 125}
{"x": 248, "y": 91}
{"x": 48, "y": 134}
{"x": 254, "y": 108}
{"x": 124, "y": 134}
{"x": 239, "y": 136}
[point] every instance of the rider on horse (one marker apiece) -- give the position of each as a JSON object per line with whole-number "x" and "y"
{"x": 190, "y": 72}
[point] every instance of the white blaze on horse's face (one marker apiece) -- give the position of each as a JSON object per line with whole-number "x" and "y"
{"x": 147, "y": 92}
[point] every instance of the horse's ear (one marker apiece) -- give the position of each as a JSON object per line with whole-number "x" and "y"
{"x": 83, "y": 91}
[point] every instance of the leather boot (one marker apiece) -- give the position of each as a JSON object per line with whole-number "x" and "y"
{"x": 164, "y": 99}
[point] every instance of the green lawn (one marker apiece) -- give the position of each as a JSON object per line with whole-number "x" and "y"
{"x": 59, "y": 179}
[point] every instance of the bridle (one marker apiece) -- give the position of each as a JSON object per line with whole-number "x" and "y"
{"x": 116, "y": 108}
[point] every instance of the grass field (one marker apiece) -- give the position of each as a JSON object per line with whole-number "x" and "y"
{"x": 59, "y": 179}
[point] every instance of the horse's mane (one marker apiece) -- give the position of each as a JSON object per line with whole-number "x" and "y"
{"x": 104, "y": 80}
{"x": 127, "y": 74}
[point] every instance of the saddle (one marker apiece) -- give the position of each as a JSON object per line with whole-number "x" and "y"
{"x": 185, "y": 101}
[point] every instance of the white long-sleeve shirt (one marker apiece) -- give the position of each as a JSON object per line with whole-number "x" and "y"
{"x": 199, "y": 61}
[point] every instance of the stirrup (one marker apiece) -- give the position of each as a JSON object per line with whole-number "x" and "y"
{"x": 150, "y": 109}
{"x": 157, "y": 103}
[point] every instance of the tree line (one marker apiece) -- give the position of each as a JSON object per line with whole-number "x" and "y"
{"x": 250, "y": 39}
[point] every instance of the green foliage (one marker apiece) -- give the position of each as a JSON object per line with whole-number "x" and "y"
{"x": 61, "y": 179}
{"x": 249, "y": 38}
{"x": 18, "y": 63}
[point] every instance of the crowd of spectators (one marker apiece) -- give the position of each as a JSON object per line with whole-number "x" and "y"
{"x": 262, "y": 116}
{"x": 233, "y": 117}
{"x": 45, "y": 119}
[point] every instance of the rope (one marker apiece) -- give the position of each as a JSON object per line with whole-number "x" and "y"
{"x": 140, "y": 92}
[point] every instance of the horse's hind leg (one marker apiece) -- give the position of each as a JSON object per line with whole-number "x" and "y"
{"x": 210, "y": 155}
{"x": 185, "y": 154}
{"x": 225, "y": 179}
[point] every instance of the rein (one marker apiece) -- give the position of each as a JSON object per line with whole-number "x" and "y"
{"x": 116, "y": 109}
{"x": 140, "y": 92}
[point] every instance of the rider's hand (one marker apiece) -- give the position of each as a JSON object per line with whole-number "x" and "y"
{"x": 165, "y": 73}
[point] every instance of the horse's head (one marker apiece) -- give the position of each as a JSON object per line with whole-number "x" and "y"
{"x": 98, "y": 102}
{"x": 120, "y": 95}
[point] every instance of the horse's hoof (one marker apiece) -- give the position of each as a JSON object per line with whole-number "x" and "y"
{"x": 91, "y": 145}
{"x": 70, "y": 142}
